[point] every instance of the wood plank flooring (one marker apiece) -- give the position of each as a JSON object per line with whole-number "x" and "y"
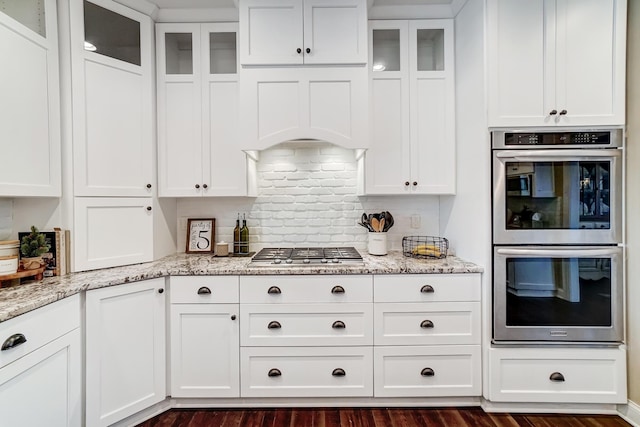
{"x": 373, "y": 417}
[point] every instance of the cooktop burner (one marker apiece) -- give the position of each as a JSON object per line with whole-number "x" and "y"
{"x": 302, "y": 256}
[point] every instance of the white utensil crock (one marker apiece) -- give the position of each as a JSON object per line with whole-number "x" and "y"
{"x": 377, "y": 243}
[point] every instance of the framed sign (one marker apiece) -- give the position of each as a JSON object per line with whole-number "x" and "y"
{"x": 200, "y": 235}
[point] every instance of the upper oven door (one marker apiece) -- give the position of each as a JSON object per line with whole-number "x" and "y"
{"x": 575, "y": 197}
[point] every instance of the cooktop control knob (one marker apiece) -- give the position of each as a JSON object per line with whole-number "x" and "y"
{"x": 277, "y": 261}
{"x": 306, "y": 260}
{"x": 289, "y": 261}
{"x": 335, "y": 260}
{"x": 323, "y": 260}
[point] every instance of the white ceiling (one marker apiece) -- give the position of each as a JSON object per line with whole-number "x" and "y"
{"x": 206, "y": 4}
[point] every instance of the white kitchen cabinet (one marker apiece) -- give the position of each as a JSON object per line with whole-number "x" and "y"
{"x": 30, "y": 100}
{"x": 556, "y": 62}
{"x": 112, "y": 231}
{"x": 290, "y": 32}
{"x": 43, "y": 372}
{"x": 558, "y": 375}
{"x": 113, "y": 100}
{"x": 412, "y": 112}
{"x": 198, "y": 117}
{"x": 125, "y": 350}
{"x": 205, "y": 347}
{"x": 324, "y": 103}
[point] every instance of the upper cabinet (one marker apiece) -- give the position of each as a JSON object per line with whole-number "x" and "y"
{"x": 412, "y": 112}
{"x": 198, "y": 117}
{"x": 290, "y": 32}
{"x": 556, "y": 62}
{"x": 112, "y": 62}
{"x": 29, "y": 99}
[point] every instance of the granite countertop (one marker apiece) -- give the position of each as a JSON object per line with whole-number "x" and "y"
{"x": 20, "y": 299}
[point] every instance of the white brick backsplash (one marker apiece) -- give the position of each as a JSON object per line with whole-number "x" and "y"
{"x": 307, "y": 196}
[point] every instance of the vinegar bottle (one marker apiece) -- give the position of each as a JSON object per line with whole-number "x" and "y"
{"x": 244, "y": 236}
{"x": 236, "y": 236}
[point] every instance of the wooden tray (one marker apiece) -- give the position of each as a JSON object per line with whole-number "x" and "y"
{"x": 37, "y": 272}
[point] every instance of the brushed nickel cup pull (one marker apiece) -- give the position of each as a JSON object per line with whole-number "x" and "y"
{"x": 274, "y": 290}
{"x": 338, "y": 324}
{"x": 557, "y": 377}
{"x": 204, "y": 291}
{"x": 337, "y": 290}
{"x": 427, "y": 372}
{"x": 426, "y": 324}
{"x": 13, "y": 341}
{"x": 274, "y": 325}
{"x": 427, "y": 289}
{"x": 274, "y": 372}
{"x": 338, "y": 372}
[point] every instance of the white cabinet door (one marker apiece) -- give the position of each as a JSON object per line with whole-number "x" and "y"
{"x": 556, "y": 62}
{"x": 43, "y": 388}
{"x": 412, "y": 108}
{"x": 112, "y": 231}
{"x": 30, "y": 100}
{"x": 290, "y": 32}
{"x": 328, "y": 104}
{"x": 205, "y": 350}
{"x": 125, "y": 350}
{"x": 112, "y": 100}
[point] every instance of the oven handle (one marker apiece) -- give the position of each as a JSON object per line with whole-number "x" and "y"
{"x": 546, "y": 155}
{"x": 563, "y": 252}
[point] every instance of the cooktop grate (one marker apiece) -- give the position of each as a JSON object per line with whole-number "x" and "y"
{"x": 297, "y": 256}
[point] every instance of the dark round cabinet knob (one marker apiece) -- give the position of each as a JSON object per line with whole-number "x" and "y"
{"x": 557, "y": 377}
{"x": 563, "y": 112}
{"x": 553, "y": 112}
{"x": 274, "y": 372}
{"x": 160, "y": 291}
{"x": 205, "y": 186}
{"x": 415, "y": 183}
{"x": 299, "y": 50}
{"x": 197, "y": 185}
{"x": 308, "y": 50}
{"x": 233, "y": 317}
{"x": 427, "y": 372}
{"x": 406, "y": 183}
{"x": 426, "y": 324}
{"x": 149, "y": 208}
{"x": 148, "y": 185}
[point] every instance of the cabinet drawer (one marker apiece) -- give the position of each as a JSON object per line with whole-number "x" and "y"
{"x": 39, "y": 327}
{"x": 427, "y": 371}
{"x": 302, "y": 289}
{"x": 306, "y": 324}
{"x": 306, "y": 372}
{"x": 427, "y": 287}
{"x": 424, "y": 324}
{"x": 558, "y": 375}
{"x": 204, "y": 289}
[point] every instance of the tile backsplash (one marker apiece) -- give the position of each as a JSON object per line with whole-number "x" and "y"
{"x": 307, "y": 196}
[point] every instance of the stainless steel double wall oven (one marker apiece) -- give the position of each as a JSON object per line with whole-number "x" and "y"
{"x": 557, "y": 236}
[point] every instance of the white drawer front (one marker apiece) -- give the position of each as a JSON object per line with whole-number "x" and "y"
{"x": 38, "y": 328}
{"x": 427, "y": 287}
{"x": 306, "y": 372}
{"x": 204, "y": 289}
{"x": 427, "y": 324}
{"x": 590, "y": 375}
{"x": 427, "y": 371}
{"x": 306, "y": 324}
{"x": 303, "y": 289}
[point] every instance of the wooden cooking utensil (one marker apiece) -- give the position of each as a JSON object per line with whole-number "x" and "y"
{"x": 375, "y": 224}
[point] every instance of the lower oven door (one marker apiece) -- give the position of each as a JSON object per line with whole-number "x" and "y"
{"x": 558, "y": 294}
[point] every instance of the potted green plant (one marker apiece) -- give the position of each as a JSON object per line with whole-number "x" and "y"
{"x": 32, "y": 246}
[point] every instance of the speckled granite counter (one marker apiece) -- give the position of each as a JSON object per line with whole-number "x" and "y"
{"x": 20, "y": 299}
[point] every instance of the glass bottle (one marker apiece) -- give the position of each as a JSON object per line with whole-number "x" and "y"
{"x": 236, "y": 236}
{"x": 244, "y": 236}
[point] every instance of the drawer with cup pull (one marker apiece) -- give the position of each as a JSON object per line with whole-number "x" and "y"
{"x": 204, "y": 289}
{"x": 427, "y": 287}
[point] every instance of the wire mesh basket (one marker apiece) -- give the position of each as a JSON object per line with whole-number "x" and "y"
{"x": 425, "y": 247}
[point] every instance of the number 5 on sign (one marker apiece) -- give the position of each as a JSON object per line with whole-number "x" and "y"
{"x": 200, "y": 235}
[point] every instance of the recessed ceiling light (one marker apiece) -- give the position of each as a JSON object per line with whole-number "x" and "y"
{"x": 379, "y": 67}
{"x": 89, "y": 46}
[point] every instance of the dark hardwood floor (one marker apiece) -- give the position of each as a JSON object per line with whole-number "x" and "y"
{"x": 373, "y": 417}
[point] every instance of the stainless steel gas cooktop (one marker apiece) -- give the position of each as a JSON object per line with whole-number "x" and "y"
{"x": 306, "y": 256}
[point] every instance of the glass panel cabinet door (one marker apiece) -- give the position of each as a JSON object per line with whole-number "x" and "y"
{"x": 111, "y": 34}
{"x": 430, "y": 49}
{"x": 30, "y": 13}
{"x": 179, "y": 53}
{"x": 222, "y": 53}
{"x": 386, "y": 50}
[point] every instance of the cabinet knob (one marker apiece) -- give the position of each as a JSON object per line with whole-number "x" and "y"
{"x": 274, "y": 290}
{"x": 299, "y": 50}
{"x": 204, "y": 290}
{"x": 274, "y": 325}
{"x": 427, "y": 289}
{"x": 338, "y": 324}
{"x": 337, "y": 290}
{"x": 274, "y": 372}
{"x": 197, "y": 185}
{"x": 415, "y": 183}
{"x": 553, "y": 112}
{"x": 13, "y": 341}
{"x": 148, "y": 185}
{"x": 160, "y": 291}
{"x": 557, "y": 377}
{"x": 338, "y": 372}
{"x": 563, "y": 112}
{"x": 427, "y": 372}
{"x": 205, "y": 186}
{"x": 233, "y": 317}
{"x": 149, "y": 208}
{"x": 308, "y": 50}
{"x": 406, "y": 183}
{"x": 426, "y": 324}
